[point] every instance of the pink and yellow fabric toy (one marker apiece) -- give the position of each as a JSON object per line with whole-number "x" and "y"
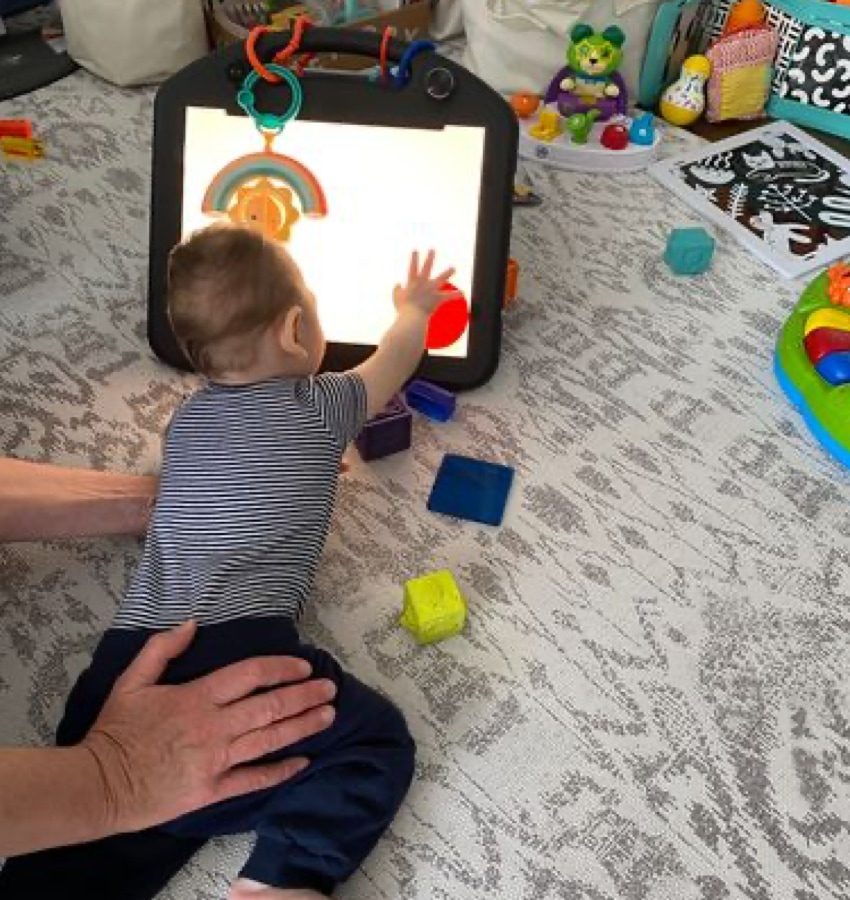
{"x": 741, "y": 65}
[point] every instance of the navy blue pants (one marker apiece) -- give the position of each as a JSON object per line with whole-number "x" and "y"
{"x": 313, "y": 831}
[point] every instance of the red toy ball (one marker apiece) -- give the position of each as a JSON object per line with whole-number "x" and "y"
{"x": 615, "y": 137}
{"x": 448, "y": 322}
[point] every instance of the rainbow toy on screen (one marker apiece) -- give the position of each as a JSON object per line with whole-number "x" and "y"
{"x": 812, "y": 360}
{"x": 352, "y": 175}
{"x": 257, "y": 190}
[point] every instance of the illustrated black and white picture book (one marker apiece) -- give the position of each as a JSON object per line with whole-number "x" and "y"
{"x": 783, "y": 194}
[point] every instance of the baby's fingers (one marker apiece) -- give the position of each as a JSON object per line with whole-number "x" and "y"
{"x": 425, "y": 274}
{"x": 439, "y": 280}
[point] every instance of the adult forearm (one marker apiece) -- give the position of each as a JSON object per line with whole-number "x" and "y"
{"x": 39, "y": 501}
{"x": 49, "y": 798}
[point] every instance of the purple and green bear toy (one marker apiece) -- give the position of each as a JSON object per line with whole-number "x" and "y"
{"x": 591, "y": 80}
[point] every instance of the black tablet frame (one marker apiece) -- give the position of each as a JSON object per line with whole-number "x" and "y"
{"x": 333, "y": 97}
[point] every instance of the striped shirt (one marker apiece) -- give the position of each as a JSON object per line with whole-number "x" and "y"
{"x": 248, "y": 484}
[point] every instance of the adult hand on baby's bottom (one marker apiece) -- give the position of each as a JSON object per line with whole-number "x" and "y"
{"x": 165, "y": 750}
{"x": 422, "y": 292}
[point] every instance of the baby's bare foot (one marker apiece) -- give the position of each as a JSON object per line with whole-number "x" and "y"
{"x": 246, "y": 889}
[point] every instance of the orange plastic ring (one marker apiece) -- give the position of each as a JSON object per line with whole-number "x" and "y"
{"x": 385, "y": 46}
{"x": 303, "y": 62}
{"x": 251, "y": 53}
{"x": 294, "y": 45}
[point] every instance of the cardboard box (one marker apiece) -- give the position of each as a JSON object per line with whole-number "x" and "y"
{"x": 409, "y": 23}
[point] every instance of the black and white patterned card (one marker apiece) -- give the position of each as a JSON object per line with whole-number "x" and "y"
{"x": 782, "y": 193}
{"x": 818, "y": 70}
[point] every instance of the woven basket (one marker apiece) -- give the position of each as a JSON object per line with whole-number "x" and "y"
{"x": 231, "y": 20}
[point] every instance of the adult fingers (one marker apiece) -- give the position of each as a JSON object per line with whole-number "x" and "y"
{"x": 413, "y": 269}
{"x": 276, "y": 706}
{"x": 281, "y": 734}
{"x": 240, "y": 679}
{"x": 149, "y": 664}
{"x": 257, "y": 778}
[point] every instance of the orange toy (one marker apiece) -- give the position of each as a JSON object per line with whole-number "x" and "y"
{"x": 511, "y": 283}
{"x": 839, "y": 284}
{"x": 743, "y": 15}
{"x": 525, "y": 104}
{"x": 20, "y": 148}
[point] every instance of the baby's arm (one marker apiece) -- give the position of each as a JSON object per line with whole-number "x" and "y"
{"x": 402, "y": 346}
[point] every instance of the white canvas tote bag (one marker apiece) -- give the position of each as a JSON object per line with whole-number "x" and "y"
{"x": 447, "y": 20}
{"x": 132, "y": 42}
{"x": 518, "y": 45}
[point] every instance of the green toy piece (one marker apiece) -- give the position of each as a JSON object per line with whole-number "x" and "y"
{"x": 580, "y": 124}
{"x": 433, "y": 607}
{"x": 824, "y": 406}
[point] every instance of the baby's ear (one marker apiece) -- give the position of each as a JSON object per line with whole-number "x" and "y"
{"x": 615, "y": 35}
{"x": 288, "y": 332}
{"x": 580, "y": 31}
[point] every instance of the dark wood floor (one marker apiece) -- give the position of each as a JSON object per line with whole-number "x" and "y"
{"x": 721, "y": 130}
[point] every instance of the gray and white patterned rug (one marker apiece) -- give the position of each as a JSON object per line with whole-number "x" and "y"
{"x": 650, "y": 699}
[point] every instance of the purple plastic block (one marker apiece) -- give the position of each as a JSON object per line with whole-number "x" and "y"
{"x": 388, "y": 432}
{"x": 431, "y": 400}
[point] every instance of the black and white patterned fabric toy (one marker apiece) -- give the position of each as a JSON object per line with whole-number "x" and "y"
{"x": 818, "y": 71}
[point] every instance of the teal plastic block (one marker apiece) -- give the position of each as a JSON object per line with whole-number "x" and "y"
{"x": 689, "y": 251}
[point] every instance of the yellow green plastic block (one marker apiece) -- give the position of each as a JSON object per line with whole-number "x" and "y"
{"x": 433, "y": 607}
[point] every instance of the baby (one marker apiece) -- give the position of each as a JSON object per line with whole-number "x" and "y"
{"x": 249, "y": 477}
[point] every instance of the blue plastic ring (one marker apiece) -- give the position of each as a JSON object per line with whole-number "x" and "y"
{"x": 269, "y": 121}
{"x": 402, "y": 72}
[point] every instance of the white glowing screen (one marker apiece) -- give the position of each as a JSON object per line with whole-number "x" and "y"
{"x": 388, "y": 191}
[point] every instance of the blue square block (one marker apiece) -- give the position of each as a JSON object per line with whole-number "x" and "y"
{"x": 471, "y": 489}
{"x": 430, "y": 400}
{"x": 388, "y": 432}
{"x": 689, "y": 251}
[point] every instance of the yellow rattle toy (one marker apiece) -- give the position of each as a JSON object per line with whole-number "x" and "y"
{"x": 684, "y": 101}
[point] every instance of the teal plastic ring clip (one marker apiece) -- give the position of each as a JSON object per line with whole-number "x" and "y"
{"x": 267, "y": 121}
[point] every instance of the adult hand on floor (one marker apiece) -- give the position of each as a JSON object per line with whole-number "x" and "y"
{"x": 165, "y": 750}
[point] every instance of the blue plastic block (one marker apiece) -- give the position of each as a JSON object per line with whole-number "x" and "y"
{"x": 642, "y": 131}
{"x": 386, "y": 433}
{"x": 689, "y": 251}
{"x": 472, "y": 489}
{"x": 835, "y": 367}
{"x": 430, "y": 400}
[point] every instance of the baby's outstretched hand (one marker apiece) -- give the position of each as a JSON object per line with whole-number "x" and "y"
{"x": 422, "y": 291}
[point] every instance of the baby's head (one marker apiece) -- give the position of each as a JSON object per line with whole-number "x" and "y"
{"x": 239, "y": 307}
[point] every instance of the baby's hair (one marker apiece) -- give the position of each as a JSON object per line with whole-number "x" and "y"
{"x": 226, "y": 285}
